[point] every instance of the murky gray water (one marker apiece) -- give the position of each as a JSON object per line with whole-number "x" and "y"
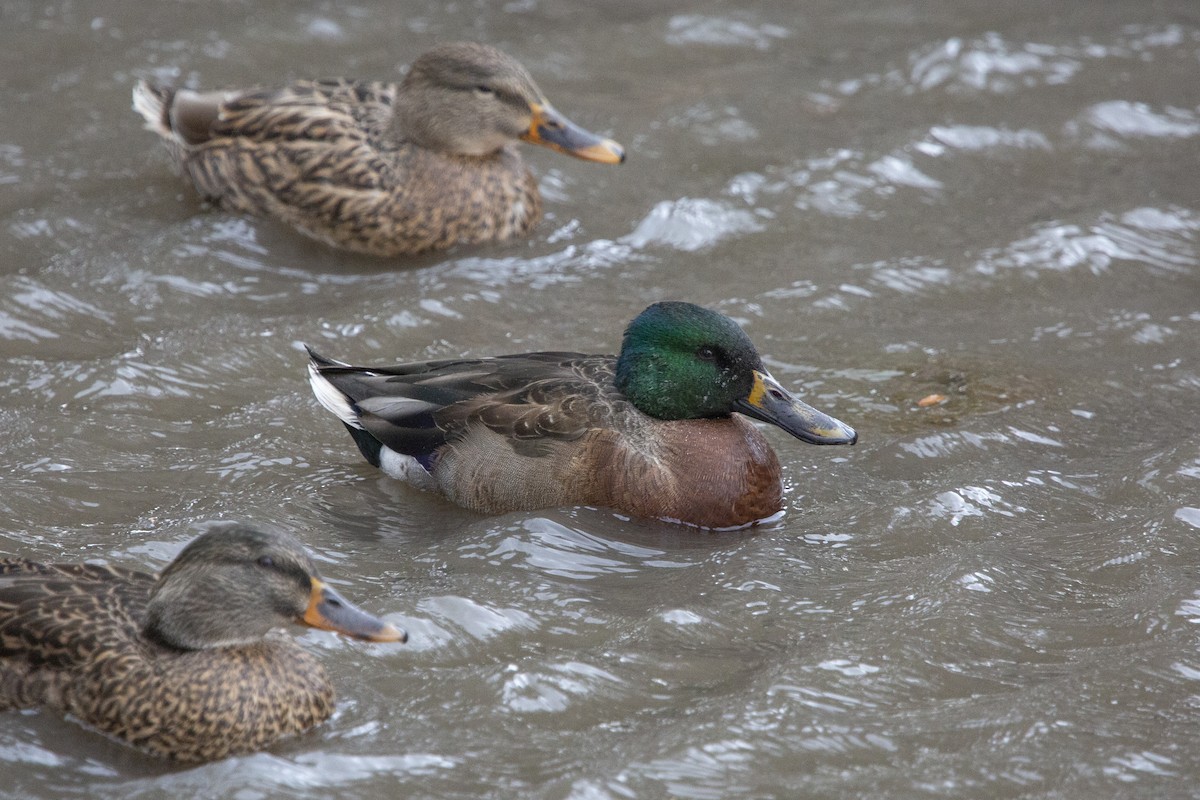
{"x": 994, "y": 597}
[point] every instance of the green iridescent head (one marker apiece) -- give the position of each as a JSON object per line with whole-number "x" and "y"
{"x": 682, "y": 361}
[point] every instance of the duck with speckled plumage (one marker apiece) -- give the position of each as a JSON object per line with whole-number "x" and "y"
{"x": 184, "y": 666}
{"x": 378, "y": 168}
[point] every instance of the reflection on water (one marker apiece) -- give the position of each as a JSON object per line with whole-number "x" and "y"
{"x": 993, "y": 594}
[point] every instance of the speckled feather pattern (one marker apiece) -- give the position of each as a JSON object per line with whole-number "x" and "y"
{"x": 70, "y": 640}
{"x": 315, "y": 155}
{"x": 545, "y": 430}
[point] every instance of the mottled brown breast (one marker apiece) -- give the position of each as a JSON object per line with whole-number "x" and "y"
{"x": 208, "y": 704}
{"x": 439, "y": 200}
{"x": 716, "y": 473}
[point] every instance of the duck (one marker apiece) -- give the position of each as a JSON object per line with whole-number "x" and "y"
{"x": 663, "y": 430}
{"x": 186, "y": 665}
{"x": 378, "y": 168}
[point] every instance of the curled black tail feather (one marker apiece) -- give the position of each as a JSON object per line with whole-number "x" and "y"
{"x": 368, "y": 445}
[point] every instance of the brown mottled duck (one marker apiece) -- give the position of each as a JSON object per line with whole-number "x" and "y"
{"x": 181, "y": 666}
{"x": 378, "y": 168}
{"x": 656, "y": 432}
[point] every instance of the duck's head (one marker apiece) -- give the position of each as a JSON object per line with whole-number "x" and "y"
{"x": 681, "y": 361}
{"x": 234, "y": 583}
{"x": 471, "y": 99}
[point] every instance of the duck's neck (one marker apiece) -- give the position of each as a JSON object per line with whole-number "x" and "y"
{"x": 415, "y": 123}
{"x": 188, "y": 620}
{"x": 665, "y": 389}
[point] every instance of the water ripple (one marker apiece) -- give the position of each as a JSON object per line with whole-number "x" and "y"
{"x": 1137, "y": 120}
{"x": 554, "y": 687}
{"x": 265, "y": 775}
{"x": 691, "y": 224}
{"x": 40, "y": 312}
{"x": 1188, "y": 515}
{"x": 910, "y": 275}
{"x": 970, "y": 501}
{"x": 994, "y": 64}
{"x": 16, "y": 329}
{"x": 555, "y": 549}
{"x": 689, "y": 29}
{"x": 475, "y": 619}
{"x": 838, "y": 184}
{"x": 713, "y": 125}
{"x": 543, "y": 271}
{"x": 980, "y": 137}
{"x": 1163, "y": 239}
{"x": 989, "y": 63}
{"x": 11, "y": 158}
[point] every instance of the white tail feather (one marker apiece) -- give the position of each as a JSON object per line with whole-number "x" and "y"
{"x": 333, "y": 400}
{"x": 149, "y": 103}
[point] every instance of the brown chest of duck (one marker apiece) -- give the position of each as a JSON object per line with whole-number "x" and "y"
{"x": 185, "y": 666}
{"x": 378, "y": 168}
{"x": 659, "y": 431}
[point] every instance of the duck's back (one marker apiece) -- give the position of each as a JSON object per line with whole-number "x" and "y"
{"x": 70, "y": 640}
{"x": 58, "y": 620}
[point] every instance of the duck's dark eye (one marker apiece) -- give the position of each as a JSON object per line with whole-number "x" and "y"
{"x": 484, "y": 90}
{"x": 266, "y": 562}
{"x": 706, "y": 353}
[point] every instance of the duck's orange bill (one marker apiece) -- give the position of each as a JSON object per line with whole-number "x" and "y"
{"x": 551, "y": 129}
{"x": 329, "y": 611}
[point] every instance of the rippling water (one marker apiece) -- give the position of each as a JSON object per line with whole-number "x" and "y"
{"x": 996, "y": 595}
